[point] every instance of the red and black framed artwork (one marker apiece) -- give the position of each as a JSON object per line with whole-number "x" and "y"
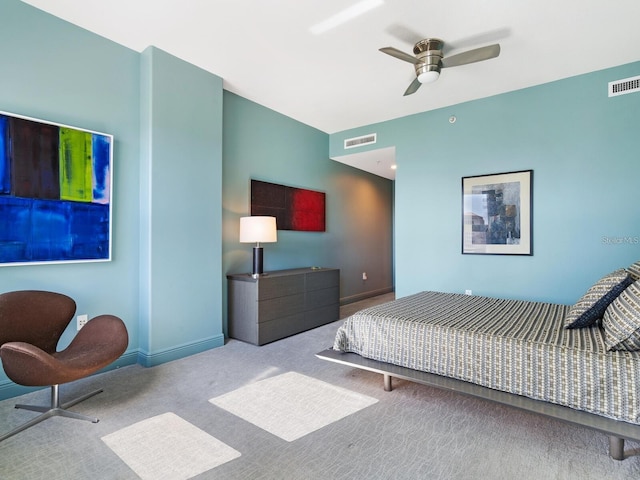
{"x": 294, "y": 208}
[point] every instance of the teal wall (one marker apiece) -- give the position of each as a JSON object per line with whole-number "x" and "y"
{"x": 181, "y": 177}
{"x": 264, "y": 145}
{"x": 174, "y": 235}
{"x": 54, "y": 71}
{"x": 583, "y": 148}
{"x": 165, "y": 278}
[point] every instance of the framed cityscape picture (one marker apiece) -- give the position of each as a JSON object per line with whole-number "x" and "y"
{"x": 497, "y": 214}
{"x": 55, "y": 192}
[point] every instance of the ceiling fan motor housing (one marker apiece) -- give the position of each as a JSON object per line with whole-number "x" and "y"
{"x": 429, "y": 54}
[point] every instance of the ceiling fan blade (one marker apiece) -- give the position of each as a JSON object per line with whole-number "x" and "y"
{"x": 487, "y": 37}
{"x": 472, "y": 56}
{"x": 394, "y": 52}
{"x": 413, "y": 88}
{"x": 404, "y": 34}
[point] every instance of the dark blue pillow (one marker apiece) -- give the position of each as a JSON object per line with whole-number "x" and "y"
{"x": 595, "y": 313}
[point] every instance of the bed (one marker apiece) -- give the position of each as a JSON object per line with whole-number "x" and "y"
{"x": 579, "y": 363}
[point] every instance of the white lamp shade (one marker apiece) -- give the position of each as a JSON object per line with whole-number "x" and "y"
{"x": 258, "y": 229}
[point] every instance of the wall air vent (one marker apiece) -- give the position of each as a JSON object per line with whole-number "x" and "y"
{"x": 624, "y": 86}
{"x": 360, "y": 141}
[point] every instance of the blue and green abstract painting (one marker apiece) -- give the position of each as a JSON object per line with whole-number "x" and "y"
{"x": 55, "y": 192}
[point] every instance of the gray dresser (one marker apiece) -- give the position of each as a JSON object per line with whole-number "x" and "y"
{"x": 281, "y": 303}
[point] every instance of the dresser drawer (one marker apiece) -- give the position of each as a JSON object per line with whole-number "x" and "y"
{"x": 321, "y": 298}
{"x": 319, "y": 279}
{"x": 280, "y": 286}
{"x": 280, "y": 307}
{"x": 321, "y": 316}
{"x": 281, "y": 327}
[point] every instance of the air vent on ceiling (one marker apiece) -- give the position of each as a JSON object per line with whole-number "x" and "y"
{"x": 360, "y": 141}
{"x": 624, "y": 86}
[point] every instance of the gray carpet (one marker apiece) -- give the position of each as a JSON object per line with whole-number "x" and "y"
{"x": 414, "y": 432}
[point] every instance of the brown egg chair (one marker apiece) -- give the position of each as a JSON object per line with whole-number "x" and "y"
{"x": 31, "y": 323}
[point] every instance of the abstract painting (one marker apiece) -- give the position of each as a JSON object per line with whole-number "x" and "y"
{"x": 55, "y": 192}
{"x": 294, "y": 208}
{"x": 496, "y": 214}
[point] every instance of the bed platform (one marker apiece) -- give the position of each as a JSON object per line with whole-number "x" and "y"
{"x": 617, "y": 431}
{"x": 514, "y": 352}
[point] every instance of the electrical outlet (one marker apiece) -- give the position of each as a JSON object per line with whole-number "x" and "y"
{"x": 82, "y": 320}
{"x": 364, "y": 275}
{"x": 468, "y": 292}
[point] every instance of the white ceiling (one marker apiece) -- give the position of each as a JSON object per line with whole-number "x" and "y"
{"x": 264, "y": 49}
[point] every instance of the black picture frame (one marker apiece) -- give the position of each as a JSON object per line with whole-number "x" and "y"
{"x": 497, "y": 214}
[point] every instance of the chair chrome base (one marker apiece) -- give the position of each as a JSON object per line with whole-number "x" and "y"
{"x": 54, "y": 410}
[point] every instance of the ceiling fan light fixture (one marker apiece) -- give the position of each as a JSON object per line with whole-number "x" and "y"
{"x": 429, "y": 76}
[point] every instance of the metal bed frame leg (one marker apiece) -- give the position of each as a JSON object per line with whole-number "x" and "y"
{"x": 387, "y": 382}
{"x": 616, "y": 448}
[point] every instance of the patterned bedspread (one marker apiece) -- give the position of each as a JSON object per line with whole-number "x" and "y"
{"x": 510, "y": 345}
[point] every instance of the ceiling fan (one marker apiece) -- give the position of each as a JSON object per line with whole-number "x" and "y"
{"x": 428, "y": 60}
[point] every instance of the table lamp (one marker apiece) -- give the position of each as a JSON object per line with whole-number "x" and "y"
{"x": 258, "y": 229}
